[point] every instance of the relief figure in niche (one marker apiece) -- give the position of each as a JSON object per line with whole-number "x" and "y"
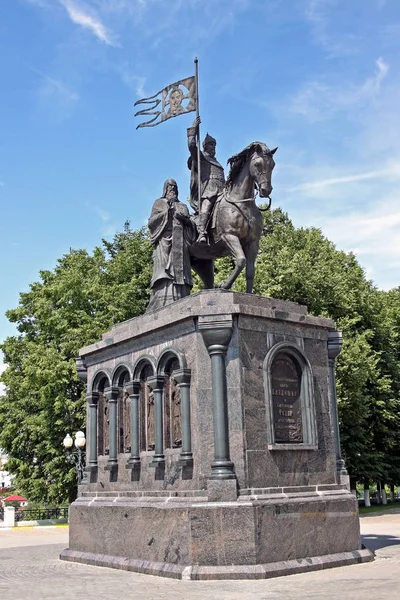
{"x": 100, "y": 424}
{"x": 106, "y": 425}
{"x": 120, "y": 427}
{"x": 127, "y": 423}
{"x": 176, "y": 415}
{"x": 151, "y": 444}
{"x": 146, "y": 403}
{"x": 172, "y": 408}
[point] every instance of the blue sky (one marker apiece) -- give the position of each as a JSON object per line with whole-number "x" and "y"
{"x": 318, "y": 78}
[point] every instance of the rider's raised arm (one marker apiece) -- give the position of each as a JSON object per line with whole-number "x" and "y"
{"x": 192, "y": 139}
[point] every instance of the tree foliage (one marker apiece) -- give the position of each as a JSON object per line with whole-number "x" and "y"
{"x": 68, "y": 308}
{"x": 86, "y": 294}
{"x": 301, "y": 265}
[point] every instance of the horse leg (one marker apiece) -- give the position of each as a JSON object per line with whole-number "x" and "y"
{"x": 205, "y": 270}
{"x": 233, "y": 243}
{"x": 251, "y": 251}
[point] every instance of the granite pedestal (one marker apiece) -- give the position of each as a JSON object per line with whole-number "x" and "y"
{"x": 251, "y": 488}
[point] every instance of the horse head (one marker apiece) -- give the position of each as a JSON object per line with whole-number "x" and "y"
{"x": 259, "y": 162}
{"x": 261, "y": 166}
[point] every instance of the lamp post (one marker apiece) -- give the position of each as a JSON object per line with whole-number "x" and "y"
{"x": 76, "y": 457}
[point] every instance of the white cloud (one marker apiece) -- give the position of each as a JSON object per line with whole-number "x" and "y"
{"x": 41, "y": 3}
{"x": 108, "y": 229}
{"x": 320, "y": 16}
{"x": 100, "y": 212}
{"x": 160, "y": 20}
{"x": 51, "y": 87}
{"x": 358, "y": 211}
{"x": 87, "y": 19}
{"x": 55, "y": 96}
{"x": 136, "y": 7}
{"x": 103, "y": 214}
{"x": 83, "y": 15}
{"x": 134, "y": 82}
{"x": 392, "y": 171}
{"x": 374, "y": 235}
{"x": 318, "y": 100}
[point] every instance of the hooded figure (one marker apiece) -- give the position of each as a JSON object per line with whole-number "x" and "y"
{"x": 171, "y": 232}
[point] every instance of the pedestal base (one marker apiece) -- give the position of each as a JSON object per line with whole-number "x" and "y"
{"x": 254, "y": 537}
{"x": 201, "y": 572}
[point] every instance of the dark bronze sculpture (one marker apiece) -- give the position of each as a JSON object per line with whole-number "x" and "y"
{"x": 211, "y": 175}
{"x": 171, "y": 233}
{"x": 236, "y": 224}
{"x": 227, "y": 218}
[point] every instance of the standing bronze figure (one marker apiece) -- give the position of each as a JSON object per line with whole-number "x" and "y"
{"x": 212, "y": 178}
{"x": 171, "y": 233}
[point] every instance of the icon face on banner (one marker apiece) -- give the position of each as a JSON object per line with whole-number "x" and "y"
{"x": 176, "y": 99}
{"x": 175, "y": 102}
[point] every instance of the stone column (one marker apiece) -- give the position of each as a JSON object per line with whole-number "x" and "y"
{"x": 111, "y": 394}
{"x": 92, "y": 400}
{"x": 335, "y": 342}
{"x": 182, "y": 378}
{"x": 133, "y": 389}
{"x": 156, "y": 383}
{"x": 216, "y": 336}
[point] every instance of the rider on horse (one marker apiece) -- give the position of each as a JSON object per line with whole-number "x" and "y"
{"x": 212, "y": 178}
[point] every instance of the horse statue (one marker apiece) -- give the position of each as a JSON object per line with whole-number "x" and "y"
{"x": 236, "y": 224}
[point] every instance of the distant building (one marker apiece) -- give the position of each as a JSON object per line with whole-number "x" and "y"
{"x": 5, "y": 477}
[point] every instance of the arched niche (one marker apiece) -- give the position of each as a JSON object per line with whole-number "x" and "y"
{"x": 168, "y": 355}
{"x": 289, "y": 399}
{"x": 121, "y": 375}
{"x": 143, "y": 369}
{"x": 101, "y": 381}
{"x": 170, "y": 361}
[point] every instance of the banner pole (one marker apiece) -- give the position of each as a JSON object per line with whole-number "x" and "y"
{"x": 196, "y": 64}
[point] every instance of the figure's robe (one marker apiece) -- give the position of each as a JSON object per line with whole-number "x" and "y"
{"x": 172, "y": 277}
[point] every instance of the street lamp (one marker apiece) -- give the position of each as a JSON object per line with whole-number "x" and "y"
{"x": 76, "y": 457}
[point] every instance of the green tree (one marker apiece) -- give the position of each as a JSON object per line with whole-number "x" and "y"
{"x": 301, "y": 265}
{"x": 68, "y": 308}
{"x": 86, "y": 294}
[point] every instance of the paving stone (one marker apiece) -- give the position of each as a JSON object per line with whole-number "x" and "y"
{"x": 30, "y": 570}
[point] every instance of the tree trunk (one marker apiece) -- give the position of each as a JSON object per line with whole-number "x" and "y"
{"x": 367, "y": 501}
{"x": 378, "y": 493}
{"x": 392, "y": 493}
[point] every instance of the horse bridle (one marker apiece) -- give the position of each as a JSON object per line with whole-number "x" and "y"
{"x": 268, "y": 197}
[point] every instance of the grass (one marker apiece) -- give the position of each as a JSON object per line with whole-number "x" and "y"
{"x": 379, "y": 507}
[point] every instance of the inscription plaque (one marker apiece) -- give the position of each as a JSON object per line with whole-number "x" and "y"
{"x": 286, "y": 383}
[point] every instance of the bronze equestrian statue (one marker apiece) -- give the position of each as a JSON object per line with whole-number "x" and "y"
{"x": 236, "y": 223}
